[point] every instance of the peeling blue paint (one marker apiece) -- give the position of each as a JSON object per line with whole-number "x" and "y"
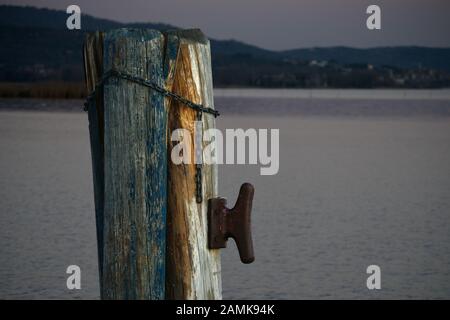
{"x": 130, "y": 178}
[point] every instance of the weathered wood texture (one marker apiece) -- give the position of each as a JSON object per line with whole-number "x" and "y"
{"x": 132, "y": 185}
{"x": 193, "y": 270}
{"x": 128, "y": 128}
{"x": 135, "y": 168}
{"x": 93, "y": 64}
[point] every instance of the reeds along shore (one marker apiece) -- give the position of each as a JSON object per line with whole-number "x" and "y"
{"x": 47, "y": 90}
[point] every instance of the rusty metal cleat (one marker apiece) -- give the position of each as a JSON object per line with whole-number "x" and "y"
{"x": 224, "y": 223}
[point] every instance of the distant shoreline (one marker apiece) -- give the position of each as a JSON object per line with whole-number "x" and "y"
{"x": 77, "y": 90}
{"x": 43, "y": 90}
{"x": 345, "y": 93}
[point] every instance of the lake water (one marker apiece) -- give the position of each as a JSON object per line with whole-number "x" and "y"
{"x": 362, "y": 181}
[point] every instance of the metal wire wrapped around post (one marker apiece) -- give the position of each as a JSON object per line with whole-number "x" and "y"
{"x": 144, "y": 82}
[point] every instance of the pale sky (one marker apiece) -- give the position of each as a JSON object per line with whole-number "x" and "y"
{"x": 283, "y": 24}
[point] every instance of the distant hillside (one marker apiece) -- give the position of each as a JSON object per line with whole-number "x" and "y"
{"x": 402, "y": 57}
{"x": 36, "y": 46}
{"x": 14, "y": 16}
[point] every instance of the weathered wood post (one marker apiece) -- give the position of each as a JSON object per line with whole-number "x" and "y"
{"x": 128, "y": 137}
{"x": 154, "y": 232}
{"x": 198, "y": 225}
{"x": 193, "y": 270}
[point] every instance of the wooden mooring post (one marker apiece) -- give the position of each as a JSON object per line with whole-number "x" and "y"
{"x": 129, "y": 154}
{"x": 193, "y": 270}
{"x": 152, "y": 232}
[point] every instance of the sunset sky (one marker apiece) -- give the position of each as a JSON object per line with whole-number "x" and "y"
{"x": 283, "y": 24}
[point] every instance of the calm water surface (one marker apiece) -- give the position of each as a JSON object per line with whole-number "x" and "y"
{"x": 361, "y": 182}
